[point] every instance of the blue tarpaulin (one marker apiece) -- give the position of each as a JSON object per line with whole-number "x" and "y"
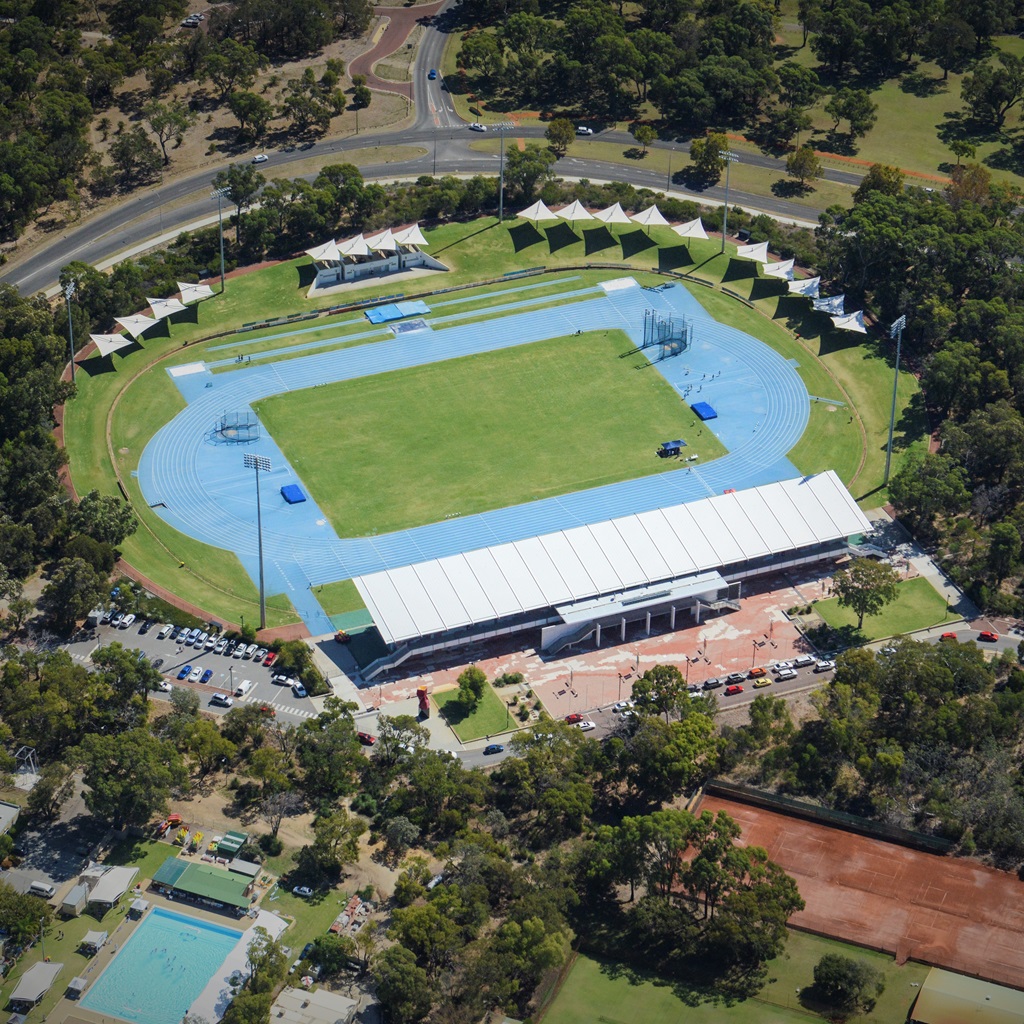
{"x": 292, "y": 493}
{"x": 704, "y": 411}
{"x": 396, "y": 311}
{"x": 672, "y": 446}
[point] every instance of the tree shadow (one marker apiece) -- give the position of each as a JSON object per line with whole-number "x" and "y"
{"x": 561, "y": 236}
{"x": 596, "y": 239}
{"x": 786, "y": 188}
{"x": 917, "y": 83}
{"x": 694, "y": 179}
{"x": 673, "y": 256}
{"x": 635, "y": 241}
{"x": 840, "y": 143}
{"x": 455, "y": 712}
{"x": 957, "y": 124}
{"x": 634, "y": 153}
{"x": 524, "y": 235}
{"x": 739, "y": 270}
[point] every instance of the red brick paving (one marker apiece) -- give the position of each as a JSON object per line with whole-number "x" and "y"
{"x": 401, "y": 21}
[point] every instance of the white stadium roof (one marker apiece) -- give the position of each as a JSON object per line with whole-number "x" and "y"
{"x": 610, "y": 557}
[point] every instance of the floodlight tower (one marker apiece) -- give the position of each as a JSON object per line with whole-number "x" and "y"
{"x": 220, "y": 194}
{"x": 259, "y": 462}
{"x": 728, "y": 157}
{"x": 69, "y": 290}
{"x": 501, "y": 128}
{"x": 896, "y": 331}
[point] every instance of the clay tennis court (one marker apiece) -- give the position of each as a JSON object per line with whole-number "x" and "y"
{"x": 940, "y": 910}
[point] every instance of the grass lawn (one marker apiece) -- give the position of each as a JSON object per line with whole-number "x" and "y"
{"x": 918, "y": 606}
{"x": 489, "y": 718}
{"x": 145, "y": 854}
{"x": 612, "y": 993}
{"x": 487, "y": 431}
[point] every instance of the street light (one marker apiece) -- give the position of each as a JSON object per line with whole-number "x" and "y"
{"x": 896, "y": 331}
{"x": 259, "y": 462}
{"x": 69, "y": 290}
{"x": 220, "y": 194}
{"x": 728, "y": 157}
{"x": 501, "y": 128}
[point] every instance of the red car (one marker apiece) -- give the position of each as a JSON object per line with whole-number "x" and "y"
{"x": 987, "y": 634}
{"x": 756, "y": 673}
{"x": 573, "y": 718}
{"x": 732, "y": 690}
{"x": 948, "y": 636}
{"x": 266, "y": 709}
{"x": 367, "y": 739}
{"x": 270, "y": 658}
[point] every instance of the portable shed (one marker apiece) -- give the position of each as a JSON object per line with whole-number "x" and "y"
{"x": 76, "y": 986}
{"x": 75, "y": 901}
{"x": 93, "y": 942}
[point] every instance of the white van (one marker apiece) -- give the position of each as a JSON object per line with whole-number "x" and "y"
{"x": 243, "y": 687}
{"x": 164, "y": 632}
{"x": 250, "y": 651}
{"x": 42, "y": 889}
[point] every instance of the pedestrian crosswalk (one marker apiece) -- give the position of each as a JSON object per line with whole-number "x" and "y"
{"x": 286, "y": 709}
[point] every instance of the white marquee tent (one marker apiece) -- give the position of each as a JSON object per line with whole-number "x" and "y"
{"x": 537, "y": 212}
{"x": 853, "y": 322}
{"x": 758, "y": 251}
{"x": 833, "y": 305}
{"x": 613, "y": 215}
{"x": 573, "y": 212}
{"x": 135, "y": 325}
{"x": 193, "y": 292}
{"x": 108, "y": 343}
{"x": 783, "y": 270}
{"x": 327, "y": 252}
{"x": 164, "y": 307}
{"x": 691, "y": 229}
{"x": 383, "y": 241}
{"x": 651, "y": 217}
{"x": 807, "y": 287}
{"x": 353, "y": 247}
{"x": 410, "y": 236}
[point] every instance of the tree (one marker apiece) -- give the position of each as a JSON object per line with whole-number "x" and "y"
{"x": 799, "y": 87}
{"x": 472, "y": 684}
{"x": 336, "y": 840}
{"x": 135, "y": 155}
{"x": 1004, "y": 548}
{"x": 526, "y": 168}
{"x": 560, "y": 133}
{"x": 332, "y": 952}
{"x": 961, "y": 149}
{"x": 208, "y": 749}
{"x": 233, "y": 65}
{"x": 804, "y": 165}
{"x": 645, "y": 134}
{"x": 253, "y": 112}
{"x": 243, "y": 183}
{"x": 75, "y": 588}
{"x": 949, "y": 43}
{"x": 403, "y": 988}
{"x": 847, "y": 985}
{"x": 266, "y": 960}
{"x": 880, "y": 178}
{"x": 481, "y": 52}
{"x": 362, "y": 96}
{"x": 991, "y": 91}
{"x": 866, "y": 586}
{"x": 169, "y": 121}
{"x": 56, "y": 784}
{"x": 128, "y": 776}
{"x": 929, "y": 486}
{"x": 854, "y": 106}
{"x": 708, "y": 155}
{"x": 105, "y": 518}
{"x": 276, "y": 806}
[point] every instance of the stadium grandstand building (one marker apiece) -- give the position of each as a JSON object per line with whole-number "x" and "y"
{"x": 366, "y": 256}
{"x": 592, "y": 581}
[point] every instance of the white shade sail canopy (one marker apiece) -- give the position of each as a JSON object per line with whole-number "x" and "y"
{"x": 164, "y": 307}
{"x": 575, "y": 211}
{"x": 328, "y": 251}
{"x": 613, "y": 215}
{"x": 650, "y": 218}
{"x": 410, "y": 236}
{"x": 108, "y": 343}
{"x": 194, "y": 292}
{"x": 807, "y": 287}
{"x": 383, "y": 240}
{"x": 353, "y": 247}
{"x": 537, "y": 212}
{"x": 609, "y": 558}
{"x": 135, "y": 325}
{"x": 853, "y": 322}
{"x": 691, "y": 229}
{"x": 783, "y": 270}
{"x": 833, "y": 305}
{"x": 757, "y": 252}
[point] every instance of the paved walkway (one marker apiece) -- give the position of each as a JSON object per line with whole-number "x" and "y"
{"x": 400, "y": 22}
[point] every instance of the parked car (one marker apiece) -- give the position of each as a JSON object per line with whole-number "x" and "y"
{"x": 221, "y": 646}
{"x": 201, "y": 641}
{"x": 260, "y": 654}
{"x": 367, "y": 739}
{"x": 239, "y": 650}
{"x": 787, "y": 673}
{"x": 493, "y": 748}
{"x": 712, "y": 684}
{"x": 211, "y": 641}
{"x": 298, "y": 689}
{"x": 106, "y": 617}
{"x": 731, "y": 691}
{"x": 583, "y": 130}
{"x": 221, "y": 700}
{"x": 196, "y": 674}
{"x": 762, "y": 682}
{"x": 585, "y": 726}
{"x": 735, "y": 677}
{"x": 280, "y": 679}
{"x": 824, "y": 665}
{"x": 165, "y": 631}
{"x": 302, "y": 890}
{"x": 622, "y": 705}
{"x": 207, "y": 676}
{"x": 126, "y": 622}
{"x": 158, "y": 663}
{"x": 145, "y": 627}
{"x": 266, "y": 709}
{"x": 574, "y": 718}
{"x": 948, "y": 636}
{"x": 757, "y": 673}
{"x": 988, "y": 635}
{"x": 164, "y": 686}
{"x": 781, "y": 666}
{"x": 270, "y": 658}
{"x": 804, "y": 660}
{"x": 250, "y": 651}
{"x": 184, "y": 671}
{"x": 193, "y": 637}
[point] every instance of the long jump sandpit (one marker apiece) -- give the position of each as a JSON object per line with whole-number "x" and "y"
{"x": 938, "y": 910}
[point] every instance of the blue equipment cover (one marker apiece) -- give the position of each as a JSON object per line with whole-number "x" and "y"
{"x": 396, "y": 311}
{"x": 292, "y": 493}
{"x": 704, "y": 411}
{"x": 672, "y": 446}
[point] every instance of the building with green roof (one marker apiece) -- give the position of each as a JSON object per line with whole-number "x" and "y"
{"x": 947, "y": 998}
{"x": 205, "y": 884}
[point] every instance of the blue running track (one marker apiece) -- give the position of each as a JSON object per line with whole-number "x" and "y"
{"x": 198, "y": 485}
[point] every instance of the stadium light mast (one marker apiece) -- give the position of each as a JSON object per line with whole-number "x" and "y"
{"x": 220, "y": 194}
{"x": 728, "y": 156}
{"x": 896, "y": 331}
{"x": 501, "y": 128}
{"x": 69, "y": 290}
{"x": 259, "y": 462}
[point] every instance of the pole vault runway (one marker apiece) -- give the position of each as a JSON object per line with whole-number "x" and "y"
{"x": 197, "y": 483}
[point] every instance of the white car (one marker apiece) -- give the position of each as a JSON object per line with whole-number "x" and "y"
{"x": 477, "y": 127}
{"x": 126, "y": 621}
{"x": 787, "y": 673}
{"x": 238, "y": 651}
{"x": 585, "y": 726}
{"x": 196, "y": 674}
{"x": 165, "y": 631}
{"x": 622, "y": 705}
{"x": 782, "y": 666}
{"x": 260, "y": 158}
{"x": 824, "y": 666}
{"x": 804, "y": 659}
{"x": 222, "y": 700}
{"x": 583, "y": 130}
{"x": 298, "y": 689}
{"x": 164, "y": 686}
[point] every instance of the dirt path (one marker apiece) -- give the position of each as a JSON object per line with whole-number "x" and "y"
{"x": 400, "y": 23}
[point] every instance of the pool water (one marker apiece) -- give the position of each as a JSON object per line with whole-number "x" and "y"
{"x": 161, "y": 969}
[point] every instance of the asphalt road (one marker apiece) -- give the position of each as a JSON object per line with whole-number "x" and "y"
{"x": 436, "y": 127}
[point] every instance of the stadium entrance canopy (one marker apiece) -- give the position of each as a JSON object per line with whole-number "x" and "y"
{"x": 569, "y": 584}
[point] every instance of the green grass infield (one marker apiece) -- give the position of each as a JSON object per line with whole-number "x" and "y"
{"x": 918, "y": 606}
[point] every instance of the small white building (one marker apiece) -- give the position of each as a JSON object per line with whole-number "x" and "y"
{"x": 297, "y": 1006}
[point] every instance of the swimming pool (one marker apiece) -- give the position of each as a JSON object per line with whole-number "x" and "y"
{"x": 162, "y": 969}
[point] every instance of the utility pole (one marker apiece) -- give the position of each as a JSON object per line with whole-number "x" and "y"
{"x": 69, "y": 290}
{"x": 259, "y": 462}
{"x": 220, "y": 194}
{"x": 728, "y": 157}
{"x": 896, "y": 331}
